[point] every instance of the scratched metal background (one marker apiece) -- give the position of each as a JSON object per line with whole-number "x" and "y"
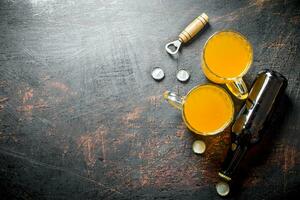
{"x": 81, "y": 118}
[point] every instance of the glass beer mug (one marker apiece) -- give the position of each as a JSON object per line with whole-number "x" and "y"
{"x": 226, "y": 58}
{"x": 206, "y": 110}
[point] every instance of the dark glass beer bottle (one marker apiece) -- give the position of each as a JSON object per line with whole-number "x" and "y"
{"x": 248, "y": 127}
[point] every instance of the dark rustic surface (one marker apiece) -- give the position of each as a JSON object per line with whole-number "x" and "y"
{"x": 81, "y": 117}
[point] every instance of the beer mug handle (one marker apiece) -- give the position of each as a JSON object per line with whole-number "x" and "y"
{"x": 173, "y": 99}
{"x": 238, "y": 88}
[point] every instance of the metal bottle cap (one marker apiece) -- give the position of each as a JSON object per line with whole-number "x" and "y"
{"x": 199, "y": 147}
{"x": 222, "y": 188}
{"x": 183, "y": 75}
{"x": 157, "y": 74}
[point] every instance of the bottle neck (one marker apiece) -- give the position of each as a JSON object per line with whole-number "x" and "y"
{"x": 234, "y": 156}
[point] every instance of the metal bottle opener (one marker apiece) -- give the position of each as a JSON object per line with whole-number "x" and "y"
{"x": 188, "y": 33}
